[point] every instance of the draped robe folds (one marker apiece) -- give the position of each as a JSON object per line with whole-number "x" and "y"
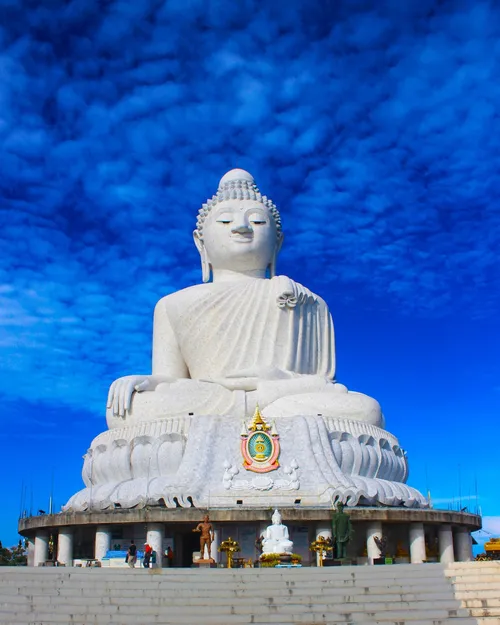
{"x": 272, "y": 330}
{"x": 254, "y": 325}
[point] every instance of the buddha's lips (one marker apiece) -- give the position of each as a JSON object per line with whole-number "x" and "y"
{"x": 240, "y": 238}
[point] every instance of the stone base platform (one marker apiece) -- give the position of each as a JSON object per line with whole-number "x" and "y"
{"x": 416, "y": 534}
{"x": 229, "y": 515}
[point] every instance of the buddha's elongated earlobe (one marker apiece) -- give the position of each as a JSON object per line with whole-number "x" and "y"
{"x": 205, "y": 263}
{"x": 272, "y": 264}
{"x": 205, "y": 266}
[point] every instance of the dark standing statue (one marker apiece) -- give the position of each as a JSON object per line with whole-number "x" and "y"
{"x": 341, "y": 530}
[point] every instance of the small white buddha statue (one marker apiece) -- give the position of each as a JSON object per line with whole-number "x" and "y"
{"x": 275, "y": 538}
{"x": 243, "y": 337}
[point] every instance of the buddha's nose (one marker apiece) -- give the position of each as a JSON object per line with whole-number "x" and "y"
{"x": 241, "y": 228}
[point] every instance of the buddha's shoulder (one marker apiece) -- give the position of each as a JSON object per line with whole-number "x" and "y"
{"x": 177, "y": 302}
{"x": 301, "y": 288}
{"x": 184, "y": 297}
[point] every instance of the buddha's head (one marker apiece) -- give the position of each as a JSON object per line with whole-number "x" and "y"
{"x": 276, "y": 518}
{"x": 238, "y": 229}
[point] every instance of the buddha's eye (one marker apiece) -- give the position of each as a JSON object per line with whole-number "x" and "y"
{"x": 224, "y": 218}
{"x": 257, "y": 220}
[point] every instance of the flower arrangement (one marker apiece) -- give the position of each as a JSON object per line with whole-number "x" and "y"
{"x": 269, "y": 559}
{"x": 483, "y": 557}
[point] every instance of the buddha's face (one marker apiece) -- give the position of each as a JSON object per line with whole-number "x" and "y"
{"x": 240, "y": 235}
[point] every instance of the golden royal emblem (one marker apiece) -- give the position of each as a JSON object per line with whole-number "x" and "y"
{"x": 260, "y": 445}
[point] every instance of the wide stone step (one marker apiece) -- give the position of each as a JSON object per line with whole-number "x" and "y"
{"x": 174, "y": 586}
{"x": 477, "y": 586}
{"x": 415, "y": 618}
{"x": 474, "y": 564}
{"x": 476, "y": 575}
{"x": 216, "y": 577}
{"x": 237, "y": 620}
{"x": 216, "y": 580}
{"x": 262, "y": 606}
{"x": 330, "y": 570}
{"x": 485, "y": 611}
{"x": 492, "y": 602}
{"x": 473, "y": 570}
{"x": 223, "y": 599}
{"x": 386, "y": 572}
{"x": 477, "y": 594}
{"x": 145, "y": 595}
{"x": 476, "y": 569}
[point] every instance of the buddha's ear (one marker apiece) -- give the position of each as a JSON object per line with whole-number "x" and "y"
{"x": 272, "y": 264}
{"x": 205, "y": 263}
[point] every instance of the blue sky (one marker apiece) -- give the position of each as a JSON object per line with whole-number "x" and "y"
{"x": 372, "y": 125}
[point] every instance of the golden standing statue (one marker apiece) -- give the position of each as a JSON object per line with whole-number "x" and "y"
{"x": 207, "y": 536}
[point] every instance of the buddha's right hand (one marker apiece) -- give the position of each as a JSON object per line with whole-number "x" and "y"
{"x": 121, "y": 391}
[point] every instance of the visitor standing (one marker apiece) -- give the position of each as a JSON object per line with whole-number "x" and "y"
{"x": 147, "y": 555}
{"x": 170, "y": 556}
{"x": 132, "y": 555}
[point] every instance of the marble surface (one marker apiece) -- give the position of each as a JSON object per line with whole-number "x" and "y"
{"x": 198, "y": 461}
{"x": 244, "y": 337}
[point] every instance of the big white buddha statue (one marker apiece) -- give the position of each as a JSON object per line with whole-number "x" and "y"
{"x": 276, "y": 538}
{"x": 246, "y": 336}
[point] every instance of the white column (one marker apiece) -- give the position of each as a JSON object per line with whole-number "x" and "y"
{"x": 155, "y": 535}
{"x": 322, "y": 530}
{"x": 31, "y": 551}
{"x": 65, "y": 546}
{"x": 445, "y": 539}
{"x": 374, "y": 530}
{"x": 215, "y": 545}
{"x": 41, "y": 547}
{"x": 417, "y": 543}
{"x": 102, "y": 541}
{"x": 463, "y": 544}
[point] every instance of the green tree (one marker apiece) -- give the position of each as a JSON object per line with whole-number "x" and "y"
{"x": 15, "y": 556}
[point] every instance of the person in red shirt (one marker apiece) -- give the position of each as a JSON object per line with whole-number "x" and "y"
{"x": 170, "y": 556}
{"x": 147, "y": 555}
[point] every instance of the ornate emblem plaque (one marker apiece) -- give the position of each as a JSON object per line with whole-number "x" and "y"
{"x": 260, "y": 445}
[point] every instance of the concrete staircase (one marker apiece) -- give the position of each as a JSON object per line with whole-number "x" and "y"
{"x": 397, "y": 595}
{"x": 477, "y": 586}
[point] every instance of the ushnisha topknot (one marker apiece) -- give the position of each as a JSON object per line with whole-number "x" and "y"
{"x": 237, "y": 184}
